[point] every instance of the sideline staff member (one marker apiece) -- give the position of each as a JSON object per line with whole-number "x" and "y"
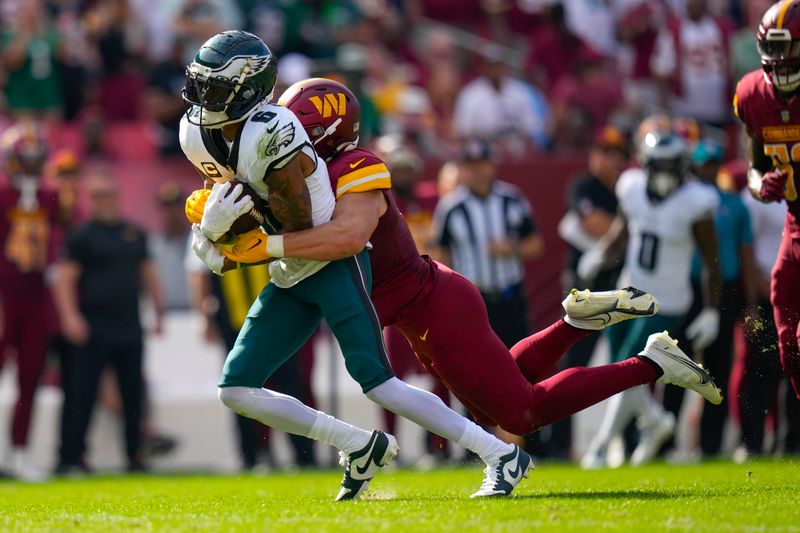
{"x": 486, "y": 231}
{"x": 97, "y": 292}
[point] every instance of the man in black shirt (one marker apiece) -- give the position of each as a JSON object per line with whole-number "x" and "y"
{"x": 97, "y": 293}
{"x": 591, "y": 209}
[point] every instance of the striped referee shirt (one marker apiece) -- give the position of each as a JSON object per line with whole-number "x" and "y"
{"x": 466, "y": 224}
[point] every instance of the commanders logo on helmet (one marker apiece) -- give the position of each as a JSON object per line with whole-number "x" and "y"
{"x": 328, "y": 111}
{"x": 231, "y": 75}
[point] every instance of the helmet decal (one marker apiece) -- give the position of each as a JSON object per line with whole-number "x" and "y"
{"x": 333, "y": 104}
{"x": 235, "y": 70}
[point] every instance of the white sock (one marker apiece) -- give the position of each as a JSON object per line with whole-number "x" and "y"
{"x": 430, "y": 412}
{"x": 338, "y": 434}
{"x": 289, "y": 414}
{"x": 487, "y": 446}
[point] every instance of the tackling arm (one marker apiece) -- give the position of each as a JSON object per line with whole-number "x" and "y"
{"x": 354, "y": 220}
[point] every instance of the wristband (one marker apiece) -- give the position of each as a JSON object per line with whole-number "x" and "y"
{"x": 275, "y": 246}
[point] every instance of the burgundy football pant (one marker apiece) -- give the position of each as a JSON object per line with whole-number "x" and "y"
{"x": 786, "y": 307}
{"x": 451, "y": 335}
{"x": 25, "y": 333}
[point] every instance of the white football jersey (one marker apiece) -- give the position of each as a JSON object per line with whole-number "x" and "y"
{"x": 268, "y": 140}
{"x": 661, "y": 242}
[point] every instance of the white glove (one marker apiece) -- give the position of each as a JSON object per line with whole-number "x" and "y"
{"x": 704, "y": 329}
{"x": 590, "y": 264}
{"x": 206, "y": 251}
{"x": 221, "y": 211}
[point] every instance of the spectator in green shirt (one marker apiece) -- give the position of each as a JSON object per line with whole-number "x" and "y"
{"x": 30, "y": 50}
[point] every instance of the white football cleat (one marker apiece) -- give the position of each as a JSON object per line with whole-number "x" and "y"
{"x": 678, "y": 368}
{"x": 652, "y": 437}
{"x": 503, "y": 476}
{"x": 596, "y": 310}
{"x": 362, "y": 465}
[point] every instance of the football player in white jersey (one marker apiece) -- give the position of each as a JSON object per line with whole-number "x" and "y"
{"x": 231, "y": 131}
{"x": 666, "y": 214}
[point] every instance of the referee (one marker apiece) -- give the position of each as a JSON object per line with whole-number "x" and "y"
{"x": 485, "y": 230}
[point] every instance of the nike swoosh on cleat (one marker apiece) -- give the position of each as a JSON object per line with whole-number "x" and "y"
{"x": 705, "y": 377}
{"x": 363, "y": 470}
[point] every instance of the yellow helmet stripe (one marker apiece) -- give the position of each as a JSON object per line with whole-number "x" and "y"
{"x": 782, "y": 13}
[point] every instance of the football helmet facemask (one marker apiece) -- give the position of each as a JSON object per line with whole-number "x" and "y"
{"x": 665, "y": 159}
{"x": 231, "y": 75}
{"x": 779, "y": 45}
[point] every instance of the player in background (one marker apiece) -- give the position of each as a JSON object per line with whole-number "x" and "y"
{"x": 766, "y": 102}
{"x": 441, "y": 313}
{"x": 232, "y": 132}
{"x": 28, "y": 223}
{"x": 665, "y": 214}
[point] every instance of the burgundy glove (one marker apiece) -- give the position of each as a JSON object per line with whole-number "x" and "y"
{"x": 773, "y": 184}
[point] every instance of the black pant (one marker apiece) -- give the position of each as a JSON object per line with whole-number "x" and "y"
{"x": 762, "y": 375}
{"x": 124, "y": 353}
{"x": 717, "y": 358}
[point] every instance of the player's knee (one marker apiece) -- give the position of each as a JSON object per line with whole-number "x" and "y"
{"x": 234, "y": 398}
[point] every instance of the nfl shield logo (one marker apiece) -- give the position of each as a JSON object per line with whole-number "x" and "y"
{"x": 785, "y": 115}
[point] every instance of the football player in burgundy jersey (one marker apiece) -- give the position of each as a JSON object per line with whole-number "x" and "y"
{"x": 441, "y": 313}
{"x": 767, "y": 102}
{"x": 28, "y": 220}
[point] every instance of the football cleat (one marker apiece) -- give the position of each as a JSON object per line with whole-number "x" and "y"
{"x": 597, "y": 310}
{"x": 502, "y": 477}
{"x": 652, "y": 437}
{"x": 678, "y": 368}
{"x": 362, "y": 465}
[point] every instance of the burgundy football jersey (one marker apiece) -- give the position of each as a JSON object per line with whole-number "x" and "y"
{"x": 400, "y": 277}
{"x": 27, "y": 239}
{"x": 774, "y": 121}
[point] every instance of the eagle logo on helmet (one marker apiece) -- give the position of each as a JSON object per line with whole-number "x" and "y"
{"x": 235, "y": 70}
{"x": 275, "y": 140}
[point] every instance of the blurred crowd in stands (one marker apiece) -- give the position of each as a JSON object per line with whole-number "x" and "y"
{"x": 533, "y": 75}
{"x": 534, "y": 78}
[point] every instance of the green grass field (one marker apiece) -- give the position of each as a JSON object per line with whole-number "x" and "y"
{"x": 711, "y": 497}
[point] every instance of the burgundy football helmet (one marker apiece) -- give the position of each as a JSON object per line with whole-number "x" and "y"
{"x": 329, "y": 112}
{"x": 779, "y": 45}
{"x": 24, "y": 150}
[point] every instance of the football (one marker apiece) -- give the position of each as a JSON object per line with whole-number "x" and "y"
{"x": 253, "y": 218}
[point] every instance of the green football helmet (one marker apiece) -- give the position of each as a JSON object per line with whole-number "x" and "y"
{"x": 232, "y": 73}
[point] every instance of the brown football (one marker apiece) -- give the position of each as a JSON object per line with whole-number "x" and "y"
{"x": 253, "y": 218}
